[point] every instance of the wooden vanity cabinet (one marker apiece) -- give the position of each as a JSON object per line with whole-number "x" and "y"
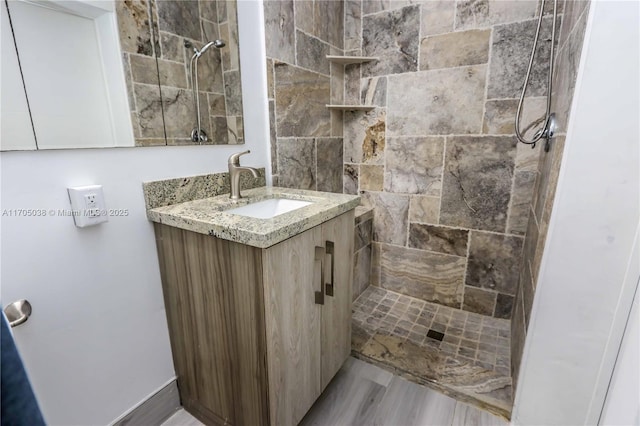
{"x": 257, "y": 334}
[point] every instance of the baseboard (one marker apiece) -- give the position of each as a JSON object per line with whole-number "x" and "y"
{"x": 155, "y": 410}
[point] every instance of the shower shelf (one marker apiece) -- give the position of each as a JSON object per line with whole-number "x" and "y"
{"x": 345, "y": 60}
{"x": 350, "y": 107}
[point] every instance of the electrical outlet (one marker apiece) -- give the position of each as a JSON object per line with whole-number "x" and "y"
{"x": 87, "y": 205}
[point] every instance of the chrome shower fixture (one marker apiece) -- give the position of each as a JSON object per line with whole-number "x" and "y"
{"x": 197, "y": 134}
{"x": 548, "y": 128}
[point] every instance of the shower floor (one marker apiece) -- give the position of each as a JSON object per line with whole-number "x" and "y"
{"x": 461, "y": 354}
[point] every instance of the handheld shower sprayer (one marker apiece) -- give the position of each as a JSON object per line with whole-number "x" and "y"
{"x": 197, "y": 134}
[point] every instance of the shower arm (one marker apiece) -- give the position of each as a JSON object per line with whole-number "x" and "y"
{"x": 547, "y": 130}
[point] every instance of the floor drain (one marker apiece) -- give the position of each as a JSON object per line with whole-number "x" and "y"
{"x": 435, "y": 335}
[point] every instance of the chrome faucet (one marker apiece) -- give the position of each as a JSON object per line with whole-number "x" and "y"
{"x": 234, "y": 173}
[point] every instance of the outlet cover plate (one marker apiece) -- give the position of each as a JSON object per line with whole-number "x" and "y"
{"x": 84, "y": 214}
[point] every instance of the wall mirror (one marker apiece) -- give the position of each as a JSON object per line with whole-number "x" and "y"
{"x": 92, "y": 73}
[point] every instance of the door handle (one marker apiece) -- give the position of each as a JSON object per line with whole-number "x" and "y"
{"x": 319, "y": 257}
{"x": 18, "y": 312}
{"x": 331, "y": 252}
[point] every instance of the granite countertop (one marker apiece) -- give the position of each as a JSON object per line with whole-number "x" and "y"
{"x": 208, "y": 216}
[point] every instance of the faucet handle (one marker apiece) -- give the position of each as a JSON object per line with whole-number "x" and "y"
{"x": 234, "y": 159}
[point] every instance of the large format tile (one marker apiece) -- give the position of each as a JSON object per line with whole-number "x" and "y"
{"x": 522, "y": 193}
{"x": 305, "y": 15}
{"x": 414, "y": 165}
{"x": 518, "y": 335}
{"x": 329, "y": 157}
{"x": 279, "y": 28}
{"x": 568, "y": 59}
{"x": 180, "y": 17}
{"x": 437, "y": 17}
{"x": 149, "y": 115}
{"x": 178, "y": 109}
{"x": 371, "y": 178}
{"x": 301, "y": 97}
{"x": 328, "y": 22}
{"x": 210, "y": 72}
{"x": 449, "y": 101}
{"x": 133, "y": 27}
{"x": 494, "y": 261}
{"x": 233, "y": 93}
{"x": 361, "y": 270}
{"x": 390, "y": 216}
{"x": 438, "y": 239}
{"x": 484, "y": 13}
{"x": 500, "y": 114}
{"x": 373, "y": 91}
{"x": 311, "y": 53}
{"x": 350, "y": 178}
{"x": 479, "y": 301}
{"x": 510, "y": 53}
{"x": 455, "y": 49}
{"x": 427, "y": 276}
{"x": 273, "y": 137}
{"x": 504, "y": 306}
{"x": 424, "y": 209}
{"x": 352, "y": 24}
{"x": 394, "y": 37}
{"x": 364, "y": 136}
{"x": 297, "y": 163}
{"x": 477, "y": 182}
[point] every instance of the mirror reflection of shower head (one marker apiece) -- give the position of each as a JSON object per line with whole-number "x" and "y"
{"x": 218, "y": 44}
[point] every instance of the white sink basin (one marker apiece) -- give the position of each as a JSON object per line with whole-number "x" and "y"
{"x": 270, "y": 208}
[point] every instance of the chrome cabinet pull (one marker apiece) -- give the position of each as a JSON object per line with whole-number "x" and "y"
{"x": 319, "y": 257}
{"x": 18, "y": 312}
{"x": 331, "y": 252}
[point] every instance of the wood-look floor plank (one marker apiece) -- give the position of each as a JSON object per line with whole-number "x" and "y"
{"x": 368, "y": 371}
{"x": 466, "y": 415}
{"x": 409, "y": 404}
{"x": 349, "y": 399}
{"x": 182, "y": 418}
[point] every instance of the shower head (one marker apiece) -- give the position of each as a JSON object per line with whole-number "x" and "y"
{"x": 218, "y": 44}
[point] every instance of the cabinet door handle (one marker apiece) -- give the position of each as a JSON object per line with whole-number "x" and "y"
{"x": 331, "y": 252}
{"x": 319, "y": 257}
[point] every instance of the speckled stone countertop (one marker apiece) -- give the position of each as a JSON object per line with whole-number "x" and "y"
{"x": 208, "y": 216}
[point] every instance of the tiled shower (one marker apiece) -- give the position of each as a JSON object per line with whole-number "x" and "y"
{"x": 436, "y": 159}
{"x": 156, "y": 64}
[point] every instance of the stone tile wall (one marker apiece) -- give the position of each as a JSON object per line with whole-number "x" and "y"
{"x": 156, "y": 62}
{"x": 437, "y": 158}
{"x": 540, "y": 205}
{"x": 363, "y": 236}
{"x": 306, "y": 138}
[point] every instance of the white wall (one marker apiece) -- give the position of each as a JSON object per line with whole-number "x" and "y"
{"x": 622, "y": 406}
{"x": 97, "y": 342}
{"x": 589, "y": 270}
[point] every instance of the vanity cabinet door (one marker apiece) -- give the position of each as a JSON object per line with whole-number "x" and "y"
{"x": 337, "y": 235}
{"x": 291, "y": 271}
